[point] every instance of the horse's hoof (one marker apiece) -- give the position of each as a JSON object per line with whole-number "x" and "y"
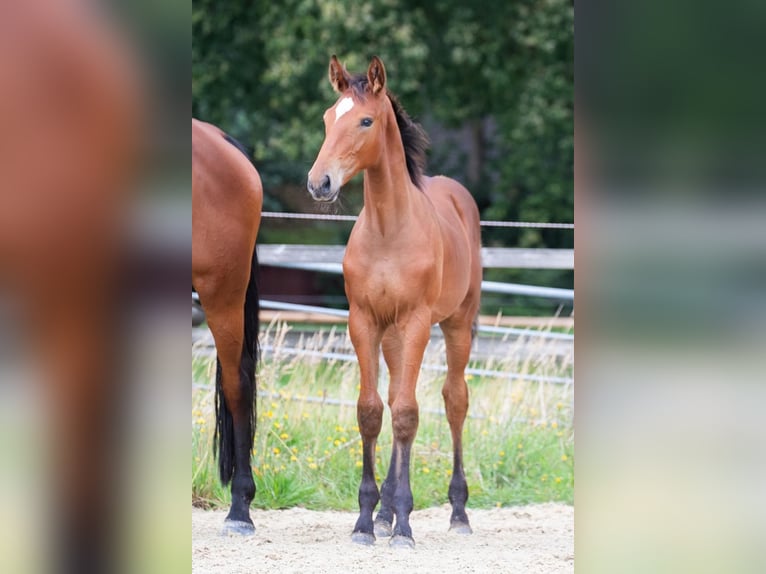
{"x": 383, "y": 528}
{"x": 460, "y": 527}
{"x": 364, "y": 538}
{"x": 237, "y": 528}
{"x": 400, "y": 541}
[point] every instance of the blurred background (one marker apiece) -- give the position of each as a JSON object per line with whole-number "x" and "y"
{"x": 491, "y": 82}
{"x": 671, "y": 247}
{"x": 94, "y": 253}
{"x": 670, "y": 252}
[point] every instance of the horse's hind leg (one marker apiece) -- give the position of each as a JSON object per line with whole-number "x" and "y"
{"x": 235, "y": 414}
{"x": 457, "y": 335}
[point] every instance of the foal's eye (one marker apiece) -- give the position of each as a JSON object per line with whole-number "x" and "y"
{"x": 366, "y": 122}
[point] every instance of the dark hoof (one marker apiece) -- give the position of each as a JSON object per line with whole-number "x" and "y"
{"x": 460, "y": 527}
{"x": 365, "y": 538}
{"x": 400, "y": 541}
{"x": 237, "y": 528}
{"x": 382, "y": 528}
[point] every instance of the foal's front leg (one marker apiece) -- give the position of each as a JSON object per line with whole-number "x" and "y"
{"x": 392, "y": 352}
{"x": 369, "y": 412}
{"x": 404, "y": 417}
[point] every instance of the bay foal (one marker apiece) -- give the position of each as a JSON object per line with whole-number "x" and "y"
{"x": 412, "y": 260}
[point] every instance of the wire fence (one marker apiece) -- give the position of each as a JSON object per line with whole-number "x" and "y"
{"x": 282, "y": 306}
{"x": 337, "y": 217}
{"x": 270, "y": 350}
{"x": 350, "y": 403}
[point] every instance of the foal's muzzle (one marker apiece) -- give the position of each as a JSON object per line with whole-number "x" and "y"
{"x": 323, "y": 190}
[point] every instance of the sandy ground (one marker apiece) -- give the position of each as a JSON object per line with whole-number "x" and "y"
{"x": 535, "y": 539}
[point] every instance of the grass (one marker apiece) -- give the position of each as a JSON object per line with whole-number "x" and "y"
{"x": 518, "y": 439}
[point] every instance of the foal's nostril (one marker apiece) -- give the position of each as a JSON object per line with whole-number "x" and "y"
{"x": 321, "y": 191}
{"x": 324, "y": 187}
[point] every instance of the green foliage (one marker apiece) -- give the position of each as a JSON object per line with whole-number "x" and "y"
{"x": 259, "y": 71}
{"x": 500, "y": 70}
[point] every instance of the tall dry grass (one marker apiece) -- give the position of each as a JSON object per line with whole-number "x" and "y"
{"x": 518, "y": 439}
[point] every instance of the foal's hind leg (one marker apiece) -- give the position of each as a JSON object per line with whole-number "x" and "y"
{"x": 457, "y": 335}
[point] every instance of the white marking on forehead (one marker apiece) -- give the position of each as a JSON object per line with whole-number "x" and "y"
{"x": 343, "y": 106}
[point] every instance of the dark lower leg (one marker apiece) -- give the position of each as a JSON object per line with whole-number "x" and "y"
{"x": 370, "y": 417}
{"x": 405, "y": 426}
{"x": 368, "y": 490}
{"x": 458, "y": 490}
{"x": 385, "y": 518}
{"x": 402, "y": 500}
{"x": 242, "y": 407}
{"x": 242, "y": 483}
{"x": 455, "y": 394}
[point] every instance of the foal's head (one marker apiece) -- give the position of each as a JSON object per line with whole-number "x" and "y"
{"x": 355, "y": 128}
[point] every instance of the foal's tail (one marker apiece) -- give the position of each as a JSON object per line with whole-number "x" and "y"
{"x": 224, "y": 422}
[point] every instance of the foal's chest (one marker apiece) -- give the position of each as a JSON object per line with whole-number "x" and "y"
{"x": 387, "y": 281}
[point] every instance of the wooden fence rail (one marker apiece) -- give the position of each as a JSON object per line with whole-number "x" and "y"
{"x": 492, "y": 257}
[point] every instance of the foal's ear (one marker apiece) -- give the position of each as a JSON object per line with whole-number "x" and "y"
{"x": 376, "y": 75}
{"x": 339, "y": 77}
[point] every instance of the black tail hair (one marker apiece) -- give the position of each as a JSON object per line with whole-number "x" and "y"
{"x": 224, "y": 428}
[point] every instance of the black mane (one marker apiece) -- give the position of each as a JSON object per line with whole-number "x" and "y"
{"x": 239, "y": 145}
{"x": 414, "y": 138}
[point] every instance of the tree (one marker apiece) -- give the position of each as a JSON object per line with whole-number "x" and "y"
{"x": 501, "y": 70}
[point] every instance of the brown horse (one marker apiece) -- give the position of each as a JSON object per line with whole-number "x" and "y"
{"x": 226, "y": 212}
{"x": 412, "y": 260}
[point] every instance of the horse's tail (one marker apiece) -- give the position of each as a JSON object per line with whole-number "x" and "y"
{"x": 224, "y": 422}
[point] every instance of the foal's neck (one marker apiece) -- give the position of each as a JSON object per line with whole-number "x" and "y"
{"x": 388, "y": 190}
